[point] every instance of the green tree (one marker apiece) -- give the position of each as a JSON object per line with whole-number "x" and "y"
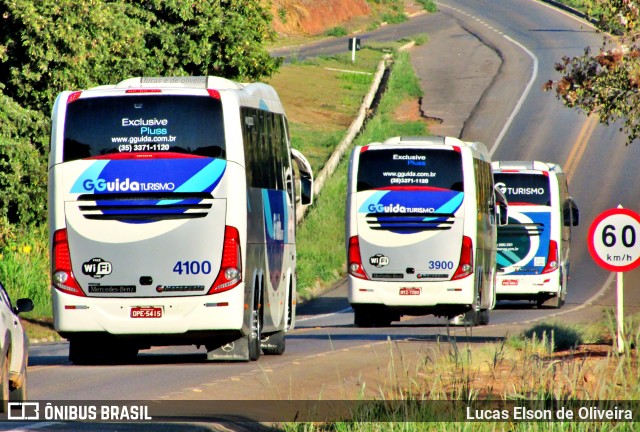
{"x": 607, "y": 83}
{"x": 47, "y": 46}
{"x": 23, "y": 163}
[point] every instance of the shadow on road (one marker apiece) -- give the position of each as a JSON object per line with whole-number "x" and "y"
{"x": 440, "y": 337}
{"x": 323, "y": 305}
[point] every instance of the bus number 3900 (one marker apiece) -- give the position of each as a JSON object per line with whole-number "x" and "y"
{"x": 192, "y": 267}
{"x": 440, "y": 265}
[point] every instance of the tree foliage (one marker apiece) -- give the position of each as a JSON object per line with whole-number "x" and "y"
{"x": 47, "y": 46}
{"x": 606, "y": 83}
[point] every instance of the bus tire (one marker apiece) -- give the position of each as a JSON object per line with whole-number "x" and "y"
{"x": 363, "y": 317}
{"x": 274, "y": 344}
{"x": 483, "y": 317}
{"x": 255, "y": 336}
{"x": 81, "y": 352}
{"x": 553, "y": 302}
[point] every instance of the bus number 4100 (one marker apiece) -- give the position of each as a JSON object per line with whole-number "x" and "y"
{"x": 192, "y": 267}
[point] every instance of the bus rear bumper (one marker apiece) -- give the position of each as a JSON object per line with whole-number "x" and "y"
{"x": 527, "y": 286}
{"x": 429, "y": 295}
{"x": 148, "y": 316}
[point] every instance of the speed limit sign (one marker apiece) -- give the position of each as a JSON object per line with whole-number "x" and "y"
{"x": 614, "y": 239}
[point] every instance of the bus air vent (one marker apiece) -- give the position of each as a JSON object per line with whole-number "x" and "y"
{"x": 146, "y": 207}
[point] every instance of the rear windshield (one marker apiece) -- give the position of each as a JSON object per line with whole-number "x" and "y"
{"x": 144, "y": 123}
{"x": 524, "y": 188}
{"x": 410, "y": 168}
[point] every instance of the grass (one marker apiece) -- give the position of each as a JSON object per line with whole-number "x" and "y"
{"x": 24, "y": 267}
{"x": 428, "y": 5}
{"x": 518, "y": 371}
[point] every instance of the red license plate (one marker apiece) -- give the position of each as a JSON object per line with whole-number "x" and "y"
{"x": 509, "y": 282}
{"x": 146, "y": 312}
{"x": 409, "y": 291}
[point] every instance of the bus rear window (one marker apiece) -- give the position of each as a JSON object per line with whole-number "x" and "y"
{"x": 524, "y": 188}
{"x": 106, "y": 126}
{"x": 410, "y": 168}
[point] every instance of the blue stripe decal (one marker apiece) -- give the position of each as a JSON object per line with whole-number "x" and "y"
{"x": 92, "y": 173}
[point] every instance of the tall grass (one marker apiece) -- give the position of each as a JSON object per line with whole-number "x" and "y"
{"x": 526, "y": 370}
{"x": 320, "y": 238}
{"x": 24, "y": 266}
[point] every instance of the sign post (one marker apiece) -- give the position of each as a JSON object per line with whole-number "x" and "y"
{"x": 354, "y": 45}
{"x": 614, "y": 244}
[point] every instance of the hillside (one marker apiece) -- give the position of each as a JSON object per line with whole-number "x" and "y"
{"x": 311, "y": 17}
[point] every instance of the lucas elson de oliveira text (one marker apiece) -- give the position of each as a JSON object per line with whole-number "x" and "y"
{"x": 524, "y": 413}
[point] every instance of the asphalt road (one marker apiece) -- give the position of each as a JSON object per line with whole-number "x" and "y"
{"x": 518, "y": 42}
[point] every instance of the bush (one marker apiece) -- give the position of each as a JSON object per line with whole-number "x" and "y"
{"x": 47, "y": 46}
{"x": 557, "y": 337}
{"x": 23, "y": 163}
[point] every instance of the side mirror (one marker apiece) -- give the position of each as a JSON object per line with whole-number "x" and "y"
{"x": 502, "y": 207}
{"x": 306, "y": 177}
{"x": 306, "y": 191}
{"x": 24, "y": 305}
{"x": 570, "y": 213}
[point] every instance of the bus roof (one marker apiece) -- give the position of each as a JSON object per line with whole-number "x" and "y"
{"x": 478, "y": 148}
{"x": 259, "y": 90}
{"x": 527, "y": 165}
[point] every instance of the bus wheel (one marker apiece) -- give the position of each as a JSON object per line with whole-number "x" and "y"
{"x": 483, "y": 317}
{"x": 363, "y": 316}
{"x": 256, "y": 328}
{"x": 553, "y": 302}
{"x": 274, "y": 344}
{"x": 82, "y": 352}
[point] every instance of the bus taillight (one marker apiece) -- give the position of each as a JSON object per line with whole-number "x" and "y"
{"x": 230, "y": 274}
{"x": 552, "y": 259}
{"x": 465, "y": 268}
{"x": 354, "y": 260}
{"x": 63, "y": 278}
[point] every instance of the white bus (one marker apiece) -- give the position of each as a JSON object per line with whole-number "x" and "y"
{"x": 172, "y": 218}
{"x": 421, "y": 230}
{"x": 534, "y": 248}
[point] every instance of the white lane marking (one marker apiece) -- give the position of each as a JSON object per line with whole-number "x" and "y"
{"x": 33, "y": 426}
{"x": 524, "y": 95}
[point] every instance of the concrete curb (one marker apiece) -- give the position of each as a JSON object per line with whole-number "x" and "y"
{"x": 565, "y": 8}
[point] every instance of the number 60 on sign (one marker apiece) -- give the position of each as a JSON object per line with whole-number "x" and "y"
{"x": 614, "y": 240}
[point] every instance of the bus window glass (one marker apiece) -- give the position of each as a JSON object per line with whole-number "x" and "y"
{"x": 523, "y": 188}
{"x": 410, "y": 168}
{"x": 111, "y": 125}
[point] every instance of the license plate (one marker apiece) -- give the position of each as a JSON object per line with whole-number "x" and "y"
{"x": 510, "y": 282}
{"x": 146, "y": 312}
{"x": 409, "y": 291}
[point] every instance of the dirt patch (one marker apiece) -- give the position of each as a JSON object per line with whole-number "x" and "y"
{"x": 313, "y": 17}
{"x": 409, "y": 110}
